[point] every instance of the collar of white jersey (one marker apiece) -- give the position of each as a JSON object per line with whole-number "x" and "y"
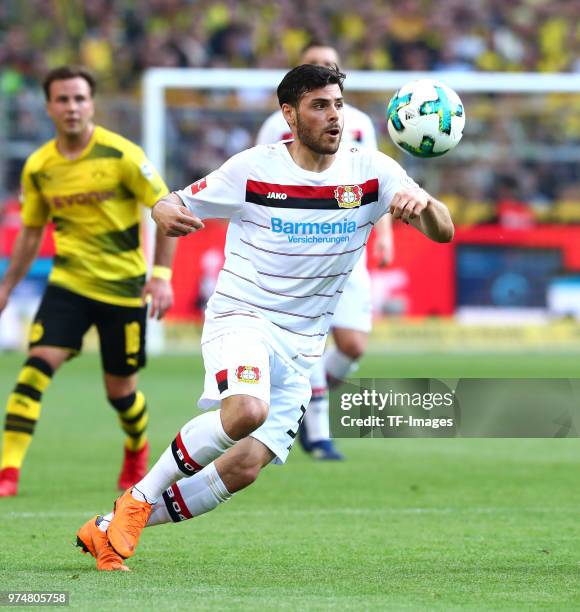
{"x": 316, "y": 176}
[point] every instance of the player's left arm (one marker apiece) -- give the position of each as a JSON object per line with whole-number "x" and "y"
{"x": 421, "y": 210}
{"x": 410, "y": 203}
{"x": 158, "y": 292}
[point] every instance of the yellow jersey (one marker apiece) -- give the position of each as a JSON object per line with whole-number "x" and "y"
{"x": 94, "y": 202}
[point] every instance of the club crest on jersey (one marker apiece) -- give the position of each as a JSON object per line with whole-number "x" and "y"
{"x": 248, "y": 374}
{"x": 348, "y": 196}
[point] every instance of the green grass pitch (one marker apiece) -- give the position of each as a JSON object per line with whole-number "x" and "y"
{"x": 403, "y": 524}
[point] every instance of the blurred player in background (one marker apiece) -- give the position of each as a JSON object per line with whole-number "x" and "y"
{"x": 353, "y": 316}
{"x": 89, "y": 182}
{"x": 300, "y": 215}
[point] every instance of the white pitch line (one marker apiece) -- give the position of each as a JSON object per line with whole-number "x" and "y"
{"x": 322, "y": 512}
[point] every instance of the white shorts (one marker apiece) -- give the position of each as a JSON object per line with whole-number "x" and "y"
{"x": 354, "y": 309}
{"x": 244, "y": 363}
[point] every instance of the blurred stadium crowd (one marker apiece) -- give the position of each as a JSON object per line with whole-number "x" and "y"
{"x": 118, "y": 39}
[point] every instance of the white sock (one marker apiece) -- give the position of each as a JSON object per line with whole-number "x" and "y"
{"x": 105, "y": 520}
{"x": 338, "y": 366}
{"x": 198, "y": 443}
{"x": 316, "y": 417}
{"x": 190, "y": 497}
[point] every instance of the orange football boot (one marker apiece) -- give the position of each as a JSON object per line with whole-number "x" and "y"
{"x": 93, "y": 541}
{"x": 126, "y": 526}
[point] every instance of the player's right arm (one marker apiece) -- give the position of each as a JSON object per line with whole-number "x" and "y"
{"x": 172, "y": 217}
{"x": 220, "y": 195}
{"x": 35, "y": 215}
{"x": 25, "y": 250}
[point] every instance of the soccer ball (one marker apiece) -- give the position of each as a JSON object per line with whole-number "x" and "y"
{"x": 425, "y": 118}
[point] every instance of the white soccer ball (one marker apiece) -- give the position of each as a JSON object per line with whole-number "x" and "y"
{"x": 425, "y": 118}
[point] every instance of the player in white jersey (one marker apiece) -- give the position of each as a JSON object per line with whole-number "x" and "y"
{"x": 352, "y": 317}
{"x": 300, "y": 215}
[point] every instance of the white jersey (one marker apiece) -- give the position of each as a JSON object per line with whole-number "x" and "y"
{"x": 294, "y": 237}
{"x": 358, "y": 129}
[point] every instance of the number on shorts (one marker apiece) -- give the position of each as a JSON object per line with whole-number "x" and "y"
{"x": 132, "y": 338}
{"x": 291, "y": 433}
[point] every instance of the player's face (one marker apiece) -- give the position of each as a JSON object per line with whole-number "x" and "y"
{"x": 70, "y": 106}
{"x": 319, "y": 119}
{"x": 320, "y": 56}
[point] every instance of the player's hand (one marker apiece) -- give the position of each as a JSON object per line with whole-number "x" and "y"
{"x": 175, "y": 220}
{"x": 158, "y": 293}
{"x": 383, "y": 250}
{"x": 408, "y": 204}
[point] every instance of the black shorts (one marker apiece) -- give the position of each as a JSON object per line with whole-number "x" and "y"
{"x": 64, "y": 317}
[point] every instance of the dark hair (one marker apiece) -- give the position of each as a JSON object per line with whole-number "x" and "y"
{"x": 304, "y": 79}
{"x": 63, "y": 73}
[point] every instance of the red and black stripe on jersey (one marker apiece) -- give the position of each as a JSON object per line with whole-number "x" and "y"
{"x": 302, "y": 196}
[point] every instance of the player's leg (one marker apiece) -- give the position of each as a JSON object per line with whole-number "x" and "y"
{"x": 131, "y": 408}
{"x": 244, "y": 391}
{"x": 122, "y": 338}
{"x": 341, "y": 360}
{"x": 289, "y": 394}
{"x": 56, "y": 334}
{"x": 201, "y": 492}
{"x": 216, "y": 483}
{"x": 315, "y": 430}
{"x": 201, "y": 441}
{"x": 351, "y": 325}
{"x": 205, "y": 439}
{"x": 237, "y": 468}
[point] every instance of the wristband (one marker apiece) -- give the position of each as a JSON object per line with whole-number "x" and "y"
{"x": 161, "y": 272}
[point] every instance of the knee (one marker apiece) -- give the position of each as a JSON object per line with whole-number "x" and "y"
{"x": 252, "y": 412}
{"x": 244, "y": 413}
{"x": 122, "y": 404}
{"x": 239, "y": 467}
{"x": 353, "y": 346}
{"x": 120, "y": 386}
{"x": 47, "y": 358}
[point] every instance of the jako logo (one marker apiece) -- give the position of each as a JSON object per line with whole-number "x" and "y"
{"x": 274, "y": 195}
